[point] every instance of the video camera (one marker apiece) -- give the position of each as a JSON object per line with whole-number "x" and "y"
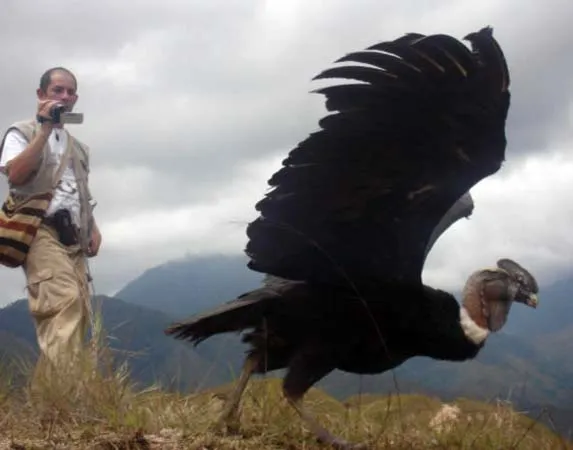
{"x": 58, "y": 114}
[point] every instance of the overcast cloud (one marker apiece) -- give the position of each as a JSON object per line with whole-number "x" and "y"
{"x": 190, "y": 106}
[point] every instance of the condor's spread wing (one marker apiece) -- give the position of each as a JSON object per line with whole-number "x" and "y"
{"x": 359, "y": 199}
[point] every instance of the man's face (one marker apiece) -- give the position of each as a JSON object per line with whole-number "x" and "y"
{"x": 61, "y": 88}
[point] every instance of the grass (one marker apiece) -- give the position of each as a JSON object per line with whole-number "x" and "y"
{"x": 103, "y": 409}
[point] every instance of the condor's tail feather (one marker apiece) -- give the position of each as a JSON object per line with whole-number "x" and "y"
{"x": 245, "y": 312}
{"x": 236, "y": 315}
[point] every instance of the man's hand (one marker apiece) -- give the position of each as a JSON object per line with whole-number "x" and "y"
{"x": 44, "y": 111}
{"x": 95, "y": 242}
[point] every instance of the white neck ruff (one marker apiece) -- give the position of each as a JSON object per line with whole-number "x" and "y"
{"x": 472, "y": 330}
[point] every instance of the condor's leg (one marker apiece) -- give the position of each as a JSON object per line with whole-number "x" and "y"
{"x": 228, "y": 416}
{"x": 304, "y": 371}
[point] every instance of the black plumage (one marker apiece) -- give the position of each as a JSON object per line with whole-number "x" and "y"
{"x": 354, "y": 210}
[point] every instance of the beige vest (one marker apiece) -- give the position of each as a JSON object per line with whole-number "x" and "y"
{"x": 41, "y": 179}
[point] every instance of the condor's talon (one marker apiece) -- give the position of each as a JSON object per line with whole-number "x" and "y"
{"x": 226, "y": 426}
{"x": 323, "y": 436}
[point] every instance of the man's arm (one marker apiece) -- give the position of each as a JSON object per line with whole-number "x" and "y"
{"x": 95, "y": 240}
{"x": 20, "y": 168}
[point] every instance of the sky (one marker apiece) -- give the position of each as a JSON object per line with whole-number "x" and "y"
{"x": 190, "y": 106}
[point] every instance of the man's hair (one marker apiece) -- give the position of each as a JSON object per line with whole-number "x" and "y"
{"x": 46, "y": 77}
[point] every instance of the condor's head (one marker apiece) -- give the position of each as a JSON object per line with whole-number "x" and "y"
{"x": 489, "y": 294}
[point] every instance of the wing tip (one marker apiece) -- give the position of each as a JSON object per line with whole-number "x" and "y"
{"x": 488, "y": 50}
{"x": 486, "y": 32}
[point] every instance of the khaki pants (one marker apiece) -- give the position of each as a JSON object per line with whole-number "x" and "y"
{"x": 58, "y": 297}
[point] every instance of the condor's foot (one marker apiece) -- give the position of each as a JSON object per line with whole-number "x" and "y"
{"x": 229, "y": 419}
{"x": 306, "y": 368}
{"x": 226, "y": 424}
{"x": 323, "y": 435}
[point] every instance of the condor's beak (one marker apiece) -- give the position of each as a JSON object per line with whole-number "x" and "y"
{"x": 532, "y": 300}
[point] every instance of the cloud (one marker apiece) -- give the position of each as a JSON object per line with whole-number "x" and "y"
{"x": 190, "y": 106}
{"x": 523, "y": 213}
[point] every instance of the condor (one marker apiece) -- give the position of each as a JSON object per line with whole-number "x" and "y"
{"x": 344, "y": 232}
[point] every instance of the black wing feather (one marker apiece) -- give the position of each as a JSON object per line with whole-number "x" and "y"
{"x": 366, "y": 74}
{"x": 359, "y": 199}
{"x": 390, "y": 63}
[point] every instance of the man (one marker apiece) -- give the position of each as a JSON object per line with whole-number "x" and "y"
{"x": 55, "y": 267}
